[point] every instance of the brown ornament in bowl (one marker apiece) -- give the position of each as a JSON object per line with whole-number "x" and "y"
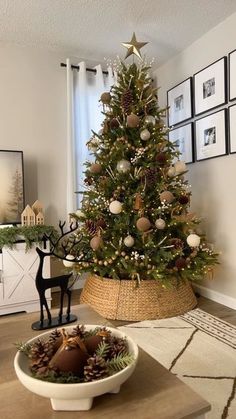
{"x": 92, "y": 343}
{"x": 70, "y": 359}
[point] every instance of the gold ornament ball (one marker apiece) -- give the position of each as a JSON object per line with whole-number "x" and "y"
{"x": 95, "y": 242}
{"x": 129, "y": 241}
{"x": 133, "y": 120}
{"x": 167, "y": 196}
{"x": 143, "y": 224}
{"x": 145, "y": 135}
{"x": 149, "y": 119}
{"x": 123, "y": 166}
{"x": 160, "y": 224}
{"x": 95, "y": 168}
{"x": 105, "y": 98}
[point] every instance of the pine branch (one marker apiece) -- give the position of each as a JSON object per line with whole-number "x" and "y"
{"x": 119, "y": 362}
{"x": 23, "y": 347}
{"x": 103, "y": 349}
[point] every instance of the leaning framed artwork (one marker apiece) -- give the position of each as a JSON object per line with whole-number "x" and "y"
{"x": 179, "y": 101}
{"x": 210, "y": 87}
{"x": 210, "y": 136}
{"x": 182, "y": 137}
{"x": 232, "y": 129}
{"x": 232, "y": 75}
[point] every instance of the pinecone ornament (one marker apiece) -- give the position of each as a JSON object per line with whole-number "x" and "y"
{"x": 150, "y": 176}
{"x": 79, "y": 330}
{"x": 127, "y": 100}
{"x": 91, "y": 227}
{"x": 40, "y": 355}
{"x": 55, "y": 339}
{"x": 96, "y": 369}
{"x": 117, "y": 346}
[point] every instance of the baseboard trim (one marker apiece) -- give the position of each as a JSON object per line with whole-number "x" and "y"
{"x": 216, "y": 296}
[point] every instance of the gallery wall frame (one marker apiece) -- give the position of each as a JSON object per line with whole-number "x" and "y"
{"x": 179, "y": 102}
{"x": 182, "y": 136}
{"x": 232, "y": 75}
{"x": 232, "y": 128}
{"x": 211, "y": 136}
{"x": 210, "y": 87}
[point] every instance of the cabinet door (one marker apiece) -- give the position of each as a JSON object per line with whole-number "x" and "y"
{"x": 18, "y": 275}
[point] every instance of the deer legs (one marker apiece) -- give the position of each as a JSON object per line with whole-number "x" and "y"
{"x": 63, "y": 292}
{"x": 43, "y": 302}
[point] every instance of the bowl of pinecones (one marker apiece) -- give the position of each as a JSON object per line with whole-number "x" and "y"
{"x": 73, "y": 365}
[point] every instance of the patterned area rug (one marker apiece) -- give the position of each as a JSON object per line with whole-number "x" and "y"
{"x": 200, "y": 349}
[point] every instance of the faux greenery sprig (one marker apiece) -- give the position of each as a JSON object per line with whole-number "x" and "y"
{"x": 30, "y": 234}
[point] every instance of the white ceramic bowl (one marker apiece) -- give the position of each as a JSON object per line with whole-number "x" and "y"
{"x": 78, "y": 396}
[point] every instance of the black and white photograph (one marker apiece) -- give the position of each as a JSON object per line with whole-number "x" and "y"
{"x": 210, "y": 136}
{"x": 179, "y": 100}
{"x": 232, "y": 75}
{"x": 12, "y": 186}
{"x": 210, "y": 87}
{"x": 182, "y": 138}
{"x": 232, "y": 129}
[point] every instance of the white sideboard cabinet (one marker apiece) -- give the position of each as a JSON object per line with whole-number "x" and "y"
{"x": 18, "y": 269}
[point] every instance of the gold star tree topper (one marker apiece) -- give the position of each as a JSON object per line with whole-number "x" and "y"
{"x": 133, "y": 47}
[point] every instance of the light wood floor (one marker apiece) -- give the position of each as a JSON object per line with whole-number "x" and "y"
{"x": 209, "y": 306}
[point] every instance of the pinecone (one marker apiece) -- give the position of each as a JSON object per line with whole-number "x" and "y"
{"x": 117, "y": 346}
{"x": 55, "y": 339}
{"x": 96, "y": 369}
{"x": 40, "y": 355}
{"x": 91, "y": 227}
{"x": 127, "y": 100}
{"x": 78, "y": 331}
{"x": 150, "y": 176}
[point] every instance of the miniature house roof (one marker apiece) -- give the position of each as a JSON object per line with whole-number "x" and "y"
{"x": 28, "y": 211}
{"x": 37, "y": 207}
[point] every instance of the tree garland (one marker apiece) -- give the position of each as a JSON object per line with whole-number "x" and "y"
{"x": 9, "y": 236}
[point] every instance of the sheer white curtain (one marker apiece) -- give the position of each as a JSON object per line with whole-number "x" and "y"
{"x": 84, "y": 89}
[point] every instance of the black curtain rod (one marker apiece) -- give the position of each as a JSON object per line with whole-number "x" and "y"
{"x": 76, "y": 67}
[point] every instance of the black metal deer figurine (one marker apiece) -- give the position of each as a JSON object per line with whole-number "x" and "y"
{"x": 62, "y": 281}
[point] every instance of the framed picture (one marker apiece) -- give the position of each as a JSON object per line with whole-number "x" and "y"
{"x": 232, "y": 129}
{"x": 232, "y": 75}
{"x": 179, "y": 100}
{"x": 12, "y": 186}
{"x": 210, "y": 87}
{"x": 210, "y": 136}
{"x": 182, "y": 137}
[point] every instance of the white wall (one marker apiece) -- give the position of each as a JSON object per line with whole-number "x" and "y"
{"x": 213, "y": 181}
{"x": 33, "y": 119}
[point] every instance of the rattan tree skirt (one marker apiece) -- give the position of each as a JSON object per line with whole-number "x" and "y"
{"x": 123, "y": 300}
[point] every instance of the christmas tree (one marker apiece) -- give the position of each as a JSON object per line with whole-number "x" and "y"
{"x": 135, "y": 219}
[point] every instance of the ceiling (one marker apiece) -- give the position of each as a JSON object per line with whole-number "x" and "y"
{"x": 94, "y": 29}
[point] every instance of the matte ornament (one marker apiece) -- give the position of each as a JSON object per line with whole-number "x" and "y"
{"x": 149, "y": 119}
{"x": 180, "y": 167}
{"x": 133, "y": 47}
{"x": 171, "y": 172}
{"x": 167, "y": 197}
{"x": 105, "y": 98}
{"x": 193, "y": 240}
{"x": 160, "y": 224}
{"x": 133, "y": 120}
{"x": 72, "y": 360}
{"x": 161, "y": 158}
{"x": 183, "y": 199}
{"x": 114, "y": 124}
{"x": 92, "y": 343}
{"x": 143, "y": 224}
{"x": 68, "y": 261}
{"x": 115, "y": 207}
{"x": 95, "y": 242}
{"x": 129, "y": 241}
{"x": 95, "y": 168}
{"x": 123, "y": 166}
{"x": 180, "y": 263}
{"x": 145, "y": 135}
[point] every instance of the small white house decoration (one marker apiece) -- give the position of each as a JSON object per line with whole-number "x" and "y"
{"x": 28, "y": 216}
{"x": 37, "y": 207}
{"x": 33, "y": 216}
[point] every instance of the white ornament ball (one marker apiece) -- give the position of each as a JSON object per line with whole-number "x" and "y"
{"x": 80, "y": 213}
{"x": 145, "y": 135}
{"x": 171, "y": 171}
{"x": 149, "y": 119}
{"x": 180, "y": 167}
{"x": 160, "y": 224}
{"x": 123, "y": 166}
{"x": 115, "y": 207}
{"x": 129, "y": 241}
{"x": 67, "y": 263}
{"x": 193, "y": 240}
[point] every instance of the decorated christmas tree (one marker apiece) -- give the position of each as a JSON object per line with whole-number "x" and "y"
{"x": 135, "y": 218}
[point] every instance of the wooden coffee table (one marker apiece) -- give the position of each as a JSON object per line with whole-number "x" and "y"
{"x": 152, "y": 392}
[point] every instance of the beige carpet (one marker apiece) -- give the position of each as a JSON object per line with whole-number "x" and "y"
{"x": 200, "y": 349}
